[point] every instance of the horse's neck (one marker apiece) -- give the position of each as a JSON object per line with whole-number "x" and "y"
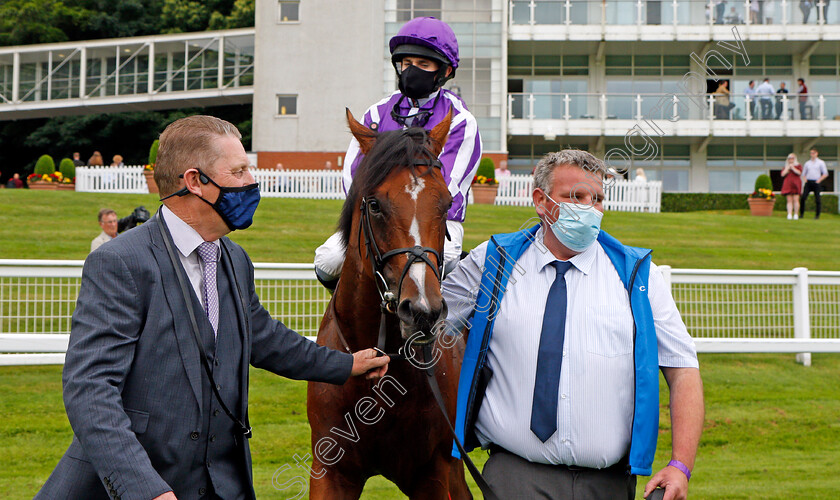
{"x": 357, "y": 304}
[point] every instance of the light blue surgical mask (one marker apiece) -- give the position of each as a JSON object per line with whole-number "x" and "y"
{"x": 576, "y": 227}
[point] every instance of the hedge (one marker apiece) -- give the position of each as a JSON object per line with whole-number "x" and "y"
{"x": 692, "y": 202}
{"x": 45, "y": 165}
{"x": 67, "y": 168}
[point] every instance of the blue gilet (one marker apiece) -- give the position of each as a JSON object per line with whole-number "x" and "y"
{"x": 633, "y": 266}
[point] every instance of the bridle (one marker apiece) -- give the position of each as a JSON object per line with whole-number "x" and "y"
{"x": 390, "y": 300}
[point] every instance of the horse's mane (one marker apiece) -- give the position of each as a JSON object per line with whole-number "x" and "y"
{"x": 397, "y": 149}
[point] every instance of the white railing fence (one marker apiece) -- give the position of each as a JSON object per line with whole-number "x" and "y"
{"x": 725, "y": 310}
{"x": 621, "y": 195}
{"x": 312, "y": 184}
{"x": 127, "y": 179}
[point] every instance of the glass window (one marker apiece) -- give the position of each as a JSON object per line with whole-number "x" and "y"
{"x": 674, "y": 180}
{"x": 286, "y": 105}
{"x": 288, "y": 11}
{"x": 747, "y": 178}
{"x": 721, "y": 181}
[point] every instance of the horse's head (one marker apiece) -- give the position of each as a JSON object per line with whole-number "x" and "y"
{"x": 394, "y": 219}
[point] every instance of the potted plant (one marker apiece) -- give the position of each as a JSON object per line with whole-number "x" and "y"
{"x": 45, "y": 176}
{"x": 762, "y": 198}
{"x": 484, "y": 185}
{"x": 67, "y": 169}
{"x": 149, "y": 169}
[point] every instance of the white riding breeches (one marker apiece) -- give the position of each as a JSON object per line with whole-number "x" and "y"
{"x": 329, "y": 257}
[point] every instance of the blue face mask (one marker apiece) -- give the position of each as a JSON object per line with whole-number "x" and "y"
{"x": 235, "y": 205}
{"x": 575, "y": 227}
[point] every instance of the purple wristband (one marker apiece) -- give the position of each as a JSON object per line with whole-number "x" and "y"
{"x": 681, "y": 466}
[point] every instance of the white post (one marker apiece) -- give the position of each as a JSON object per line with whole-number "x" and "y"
{"x": 117, "y": 72}
{"x": 821, "y": 12}
{"x": 712, "y": 12}
{"x": 151, "y": 75}
{"x": 603, "y": 101}
{"x": 15, "y": 77}
{"x": 784, "y": 13}
{"x": 747, "y": 11}
{"x": 675, "y": 113}
{"x": 221, "y": 68}
{"x": 639, "y": 6}
{"x": 566, "y": 101}
{"x": 822, "y": 107}
{"x": 801, "y": 313}
{"x": 711, "y": 106}
{"x": 531, "y": 7}
{"x": 638, "y": 107}
{"x": 784, "y": 107}
{"x": 531, "y": 106}
{"x": 83, "y": 74}
{"x": 675, "y": 6}
{"x": 49, "y": 75}
{"x": 510, "y": 107}
{"x": 568, "y": 12}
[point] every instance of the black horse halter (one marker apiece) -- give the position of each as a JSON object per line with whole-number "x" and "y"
{"x": 390, "y": 300}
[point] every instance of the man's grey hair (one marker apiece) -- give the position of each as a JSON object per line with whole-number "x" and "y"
{"x": 575, "y": 157}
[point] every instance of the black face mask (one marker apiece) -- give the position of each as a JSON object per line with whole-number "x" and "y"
{"x": 417, "y": 83}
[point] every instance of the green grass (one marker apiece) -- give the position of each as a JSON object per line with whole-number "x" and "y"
{"x": 772, "y": 429}
{"x": 772, "y": 426}
{"x": 60, "y": 225}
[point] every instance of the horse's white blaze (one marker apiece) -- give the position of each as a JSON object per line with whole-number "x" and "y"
{"x": 415, "y": 188}
{"x": 417, "y": 272}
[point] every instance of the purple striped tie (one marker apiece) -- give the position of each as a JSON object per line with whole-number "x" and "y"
{"x": 209, "y": 253}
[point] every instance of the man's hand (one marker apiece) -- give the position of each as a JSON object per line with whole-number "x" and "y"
{"x": 674, "y": 482}
{"x": 368, "y": 363}
{"x": 166, "y": 496}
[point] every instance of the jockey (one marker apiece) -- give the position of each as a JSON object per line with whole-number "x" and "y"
{"x": 425, "y": 56}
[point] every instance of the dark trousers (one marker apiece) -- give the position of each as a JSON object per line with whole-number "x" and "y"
{"x": 766, "y": 109}
{"x": 511, "y": 476}
{"x": 810, "y": 187}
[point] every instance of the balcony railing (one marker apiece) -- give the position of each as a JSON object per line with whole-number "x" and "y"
{"x": 672, "y": 12}
{"x": 672, "y": 107}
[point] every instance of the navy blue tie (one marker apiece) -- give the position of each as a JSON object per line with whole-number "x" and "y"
{"x": 550, "y": 358}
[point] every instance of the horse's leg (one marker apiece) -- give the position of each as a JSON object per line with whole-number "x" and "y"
{"x": 458, "y": 489}
{"x": 334, "y": 485}
{"x": 434, "y": 482}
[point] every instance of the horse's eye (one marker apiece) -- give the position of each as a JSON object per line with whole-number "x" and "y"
{"x": 374, "y": 207}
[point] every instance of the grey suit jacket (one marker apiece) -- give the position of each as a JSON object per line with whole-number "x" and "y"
{"x": 132, "y": 375}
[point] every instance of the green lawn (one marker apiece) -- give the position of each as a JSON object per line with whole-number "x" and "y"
{"x": 60, "y": 225}
{"x": 772, "y": 426}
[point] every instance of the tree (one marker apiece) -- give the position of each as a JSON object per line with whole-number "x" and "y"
{"x": 37, "y": 21}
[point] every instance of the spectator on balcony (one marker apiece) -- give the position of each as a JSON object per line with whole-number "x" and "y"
{"x": 96, "y": 160}
{"x": 779, "y": 99}
{"x": 825, "y": 9}
{"x": 640, "y": 175}
{"x": 750, "y": 94}
{"x": 117, "y": 161}
{"x": 755, "y": 15}
{"x": 722, "y": 102}
{"x": 765, "y": 93}
{"x": 792, "y": 185}
{"x": 109, "y": 223}
{"x": 720, "y": 11}
{"x": 803, "y": 99}
{"x": 805, "y": 7}
{"x": 502, "y": 171}
{"x": 328, "y": 165}
{"x": 15, "y": 182}
{"x": 814, "y": 173}
{"x": 77, "y": 161}
{"x": 769, "y": 11}
{"x": 734, "y": 17}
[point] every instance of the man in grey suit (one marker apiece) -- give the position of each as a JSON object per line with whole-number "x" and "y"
{"x": 166, "y": 325}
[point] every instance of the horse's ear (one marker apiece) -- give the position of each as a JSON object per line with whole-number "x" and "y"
{"x": 440, "y": 133}
{"x": 364, "y": 135}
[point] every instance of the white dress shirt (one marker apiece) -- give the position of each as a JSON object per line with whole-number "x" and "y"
{"x": 187, "y": 241}
{"x": 596, "y": 393}
{"x": 814, "y": 169}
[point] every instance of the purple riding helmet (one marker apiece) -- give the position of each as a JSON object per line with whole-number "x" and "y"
{"x": 430, "y": 38}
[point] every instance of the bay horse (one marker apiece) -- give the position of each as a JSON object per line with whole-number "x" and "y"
{"x": 394, "y": 219}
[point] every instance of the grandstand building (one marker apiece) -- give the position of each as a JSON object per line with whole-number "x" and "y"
{"x": 629, "y": 79}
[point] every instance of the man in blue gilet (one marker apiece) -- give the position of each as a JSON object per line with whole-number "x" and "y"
{"x": 567, "y": 331}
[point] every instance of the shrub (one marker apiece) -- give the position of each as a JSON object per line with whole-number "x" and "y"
{"x": 67, "y": 168}
{"x": 45, "y": 165}
{"x": 692, "y": 202}
{"x": 763, "y": 182}
{"x": 153, "y": 152}
{"x": 486, "y": 168}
